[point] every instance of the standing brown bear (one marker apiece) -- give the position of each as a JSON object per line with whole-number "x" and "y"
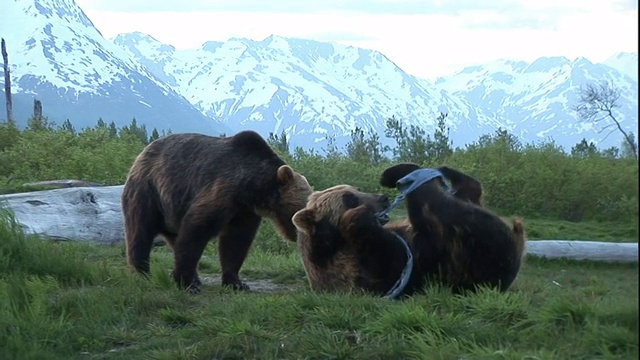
{"x": 449, "y": 237}
{"x": 190, "y": 188}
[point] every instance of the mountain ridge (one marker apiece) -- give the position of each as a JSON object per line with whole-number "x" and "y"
{"x": 311, "y": 90}
{"x": 59, "y": 57}
{"x": 475, "y": 114}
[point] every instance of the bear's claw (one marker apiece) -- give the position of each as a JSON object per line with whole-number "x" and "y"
{"x": 238, "y": 285}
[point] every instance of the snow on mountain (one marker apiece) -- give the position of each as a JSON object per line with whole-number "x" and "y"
{"x": 310, "y": 89}
{"x": 307, "y": 88}
{"x": 535, "y": 100}
{"x": 626, "y": 63}
{"x": 57, "y": 56}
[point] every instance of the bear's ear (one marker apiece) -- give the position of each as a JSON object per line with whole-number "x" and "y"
{"x": 304, "y": 221}
{"x": 350, "y": 200}
{"x": 285, "y": 174}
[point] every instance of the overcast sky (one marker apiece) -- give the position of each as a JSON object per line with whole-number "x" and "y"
{"x": 426, "y": 38}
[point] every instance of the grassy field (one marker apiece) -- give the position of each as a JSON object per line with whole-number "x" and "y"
{"x": 74, "y": 301}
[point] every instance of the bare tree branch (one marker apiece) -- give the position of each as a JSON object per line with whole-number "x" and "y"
{"x": 596, "y": 103}
{"x": 606, "y": 127}
{"x": 610, "y": 132}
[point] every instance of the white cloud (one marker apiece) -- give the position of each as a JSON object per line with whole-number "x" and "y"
{"x": 431, "y": 42}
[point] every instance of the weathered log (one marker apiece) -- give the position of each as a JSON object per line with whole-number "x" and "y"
{"x": 74, "y": 214}
{"x": 584, "y": 250}
{"x": 94, "y": 214}
{"x": 67, "y": 183}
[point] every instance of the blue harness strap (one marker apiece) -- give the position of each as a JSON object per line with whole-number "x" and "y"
{"x": 406, "y": 185}
{"x": 399, "y": 286}
{"x": 409, "y": 183}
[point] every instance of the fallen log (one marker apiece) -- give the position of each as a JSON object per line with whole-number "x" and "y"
{"x": 584, "y": 250}
{"x": 90, "y": 214}
{"x": 63, "y": 183}
{"x": 94, "y": 214}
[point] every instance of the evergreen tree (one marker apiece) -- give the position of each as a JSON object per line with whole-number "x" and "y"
{"x": 113, "y": 130}
{"x": 101, "y": 124}
{"x": 135, "y": 131}
{"x": 39, "y": 123}
{"x": 412, "y": 144}
{"x": 332, "y": 152}
{"x": 365, "y": 149}
{"x": 442, "y": 144}
{"x": 154, "y": 135}
{"x": 68, "y": 127}
{"x": 584, "y": 149}
{"x": 279, "y": 143}
{"x": 611, "y": 153}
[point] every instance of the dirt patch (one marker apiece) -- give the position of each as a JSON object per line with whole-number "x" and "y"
{"x": 260, "y": 285}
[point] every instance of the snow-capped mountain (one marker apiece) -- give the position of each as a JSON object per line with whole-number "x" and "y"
{"x": 57, "y": 56}
{"x": 626, "y": 63}
{"x": 536, "y": 100}
{"x": 308, "y": 89}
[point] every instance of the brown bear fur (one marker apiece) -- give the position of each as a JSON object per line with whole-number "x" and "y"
{"x": 331, "y": 260}
{"x": 453, "y": 239}
{"x": 191, "y": 187}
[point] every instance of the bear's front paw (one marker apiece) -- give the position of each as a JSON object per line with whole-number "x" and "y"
{"x": 238, "y": 285}
{"x": 234, "y": 283}
{"x": 189, "y": 283}
{"x": 193, "y": 289}
{"x": 359, "y": 219}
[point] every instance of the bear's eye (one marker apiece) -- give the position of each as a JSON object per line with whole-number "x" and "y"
{"x": 350, "y": 200}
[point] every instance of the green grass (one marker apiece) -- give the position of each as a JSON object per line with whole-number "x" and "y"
{"x": 586, "y": 230}
{"x": 75, "y": 301}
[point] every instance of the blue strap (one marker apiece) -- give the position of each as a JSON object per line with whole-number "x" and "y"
{"x": 399, "y": 286}
{"x": 407, "y": 184}
{"x": 416, "y": 178}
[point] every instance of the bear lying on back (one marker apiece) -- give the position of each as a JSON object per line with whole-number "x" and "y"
{"x": 452, "y": 239}
{"x": 192, "y": 187}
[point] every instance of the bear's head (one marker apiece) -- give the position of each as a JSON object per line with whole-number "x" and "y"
{"x": 330, "y": 256}
{"x": 331, "y": 204}
{"x": 293, "y": 191}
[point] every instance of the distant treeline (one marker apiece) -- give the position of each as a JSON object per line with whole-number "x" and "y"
{"x": 538, "y": 180}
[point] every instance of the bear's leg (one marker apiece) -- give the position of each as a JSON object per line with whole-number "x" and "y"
{"x": 234, "y": 243}
{"x": 170, "y": 239}
{"x": 198, "y": 226}
{"x": 142, "y": 224}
